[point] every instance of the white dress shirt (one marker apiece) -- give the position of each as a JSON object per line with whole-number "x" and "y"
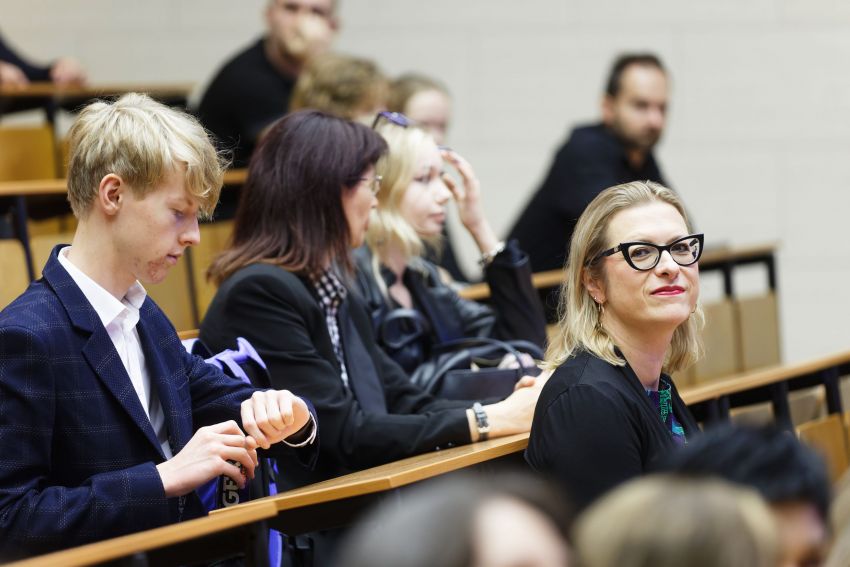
{"x": 120, "y": 318}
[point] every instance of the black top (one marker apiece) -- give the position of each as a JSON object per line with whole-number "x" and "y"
{"x": 32, "y": 71}
{"x": 245, "y": 97}
{"x": 591, "y": 160}
{"x": 382, "y": 417}
{"x": 595, "y": 427}
{"x": 515, "y": 312}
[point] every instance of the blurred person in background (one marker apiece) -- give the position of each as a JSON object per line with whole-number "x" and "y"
{"x": 253, "y": 88}
{"x": 349, "y": 87}
{"x": 617, "y": 150}
{"x": 506, "y": 520}
{"x": 666, "y": 521}
{"x": 789, "y": 475}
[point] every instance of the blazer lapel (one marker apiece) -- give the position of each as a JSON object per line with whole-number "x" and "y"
{"x": 362, "y": 374}
{"x": 98, "y": 351}
{"x": 103, "y": 358}
{"x": 161, "y": 373}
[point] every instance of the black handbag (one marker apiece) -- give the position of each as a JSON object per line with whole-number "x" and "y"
{"x": 404, "y": 336}
{"x": 453, "y": 377}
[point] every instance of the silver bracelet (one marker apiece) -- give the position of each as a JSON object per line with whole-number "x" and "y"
{"x": 488, "y": 257}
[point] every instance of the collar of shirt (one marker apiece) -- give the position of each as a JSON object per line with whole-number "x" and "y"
{"x": 107, "y": 307}
{"x": 330, "y": 288}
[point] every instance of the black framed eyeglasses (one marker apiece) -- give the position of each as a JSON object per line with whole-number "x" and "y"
{"x": 396, "y": 118}
{"x": 643, "y": 256}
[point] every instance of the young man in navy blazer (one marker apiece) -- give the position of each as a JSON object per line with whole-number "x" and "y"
{"x": 107, "y": 425}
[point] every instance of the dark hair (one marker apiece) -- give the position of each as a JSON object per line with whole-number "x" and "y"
{"x": 434, "y": 525}
{"x": 770, "y": 460}
{"x": 624, "y": 61}
{"x": 290, "y": 210}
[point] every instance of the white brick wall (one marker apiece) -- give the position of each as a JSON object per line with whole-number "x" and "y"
{"x": 759, "y": 135}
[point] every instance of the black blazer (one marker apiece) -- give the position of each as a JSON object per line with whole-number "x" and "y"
{"x": 279, "y": 313}
{"x": 595, "y": 427}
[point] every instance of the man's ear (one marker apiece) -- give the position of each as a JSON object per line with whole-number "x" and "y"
{"x": 593, "y": 287}
{"x": 111, "y": 194}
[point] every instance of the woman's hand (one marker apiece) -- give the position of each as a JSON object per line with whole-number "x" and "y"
{"x": 67, "y": 71}
{"x": 468, "y": 198}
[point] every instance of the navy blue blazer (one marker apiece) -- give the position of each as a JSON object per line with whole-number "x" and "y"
{"x": 77, "y": 451}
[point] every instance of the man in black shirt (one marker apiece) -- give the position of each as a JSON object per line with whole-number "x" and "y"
{"x": 252, "y": 90}
{"x": 596, "y": 157}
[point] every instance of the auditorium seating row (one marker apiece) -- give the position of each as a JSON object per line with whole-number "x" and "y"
{"x": 340, "y": 499}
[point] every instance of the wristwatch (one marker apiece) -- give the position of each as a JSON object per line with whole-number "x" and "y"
{"x": 481, "y": 421}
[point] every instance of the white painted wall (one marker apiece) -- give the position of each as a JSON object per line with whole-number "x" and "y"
{"x": 759, "y": 136}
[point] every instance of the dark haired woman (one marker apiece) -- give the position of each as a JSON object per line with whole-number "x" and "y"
{"x": 283, "y": 285}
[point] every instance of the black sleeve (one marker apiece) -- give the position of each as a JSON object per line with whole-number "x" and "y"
{"x": 33, "y": 72}
{"x": 519, "y": 313}
{"x": 586, "y": 442}
{"x": 579, "y": 172}
{"x": 291, "y": 339}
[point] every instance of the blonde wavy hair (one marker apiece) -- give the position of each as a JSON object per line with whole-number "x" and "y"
{"x": 715, "y": 524}
{"x": 341, "y": 85}
{"x": 141, "y": 141}
{"x": 579, "y": 326}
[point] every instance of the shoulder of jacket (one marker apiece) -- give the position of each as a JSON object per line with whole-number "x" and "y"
{"x": 586, "y": 372}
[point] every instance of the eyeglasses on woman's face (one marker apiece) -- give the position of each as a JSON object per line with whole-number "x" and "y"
{"x": 374, "y": 183}
{"x": 644, "y": 256}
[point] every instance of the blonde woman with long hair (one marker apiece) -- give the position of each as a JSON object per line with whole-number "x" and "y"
{"x": 629, "y": 318}
{"x": 395, "y": 279}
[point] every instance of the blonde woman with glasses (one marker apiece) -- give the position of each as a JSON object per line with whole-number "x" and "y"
{"x": 629, "y": 318}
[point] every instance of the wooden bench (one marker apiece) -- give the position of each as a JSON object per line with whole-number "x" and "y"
{"x": 187, "y": 542}
{"x": 59, "y": 93}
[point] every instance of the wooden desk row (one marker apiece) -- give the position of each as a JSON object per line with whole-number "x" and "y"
{"x": 47, "y": 89}
{"x": 233, "y": 177}
{"x": 310, "y": 507}
{"x": 19, "y": 190}
{"x": 294, "y": 511}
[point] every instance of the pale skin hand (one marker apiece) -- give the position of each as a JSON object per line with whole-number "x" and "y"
{"x": 467, "y": 195}
{"x": 205, "y": 457}
{"x": 67, "y": 71}
{"x": 12, "y": 76}
{"x": 273, "y": 415}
